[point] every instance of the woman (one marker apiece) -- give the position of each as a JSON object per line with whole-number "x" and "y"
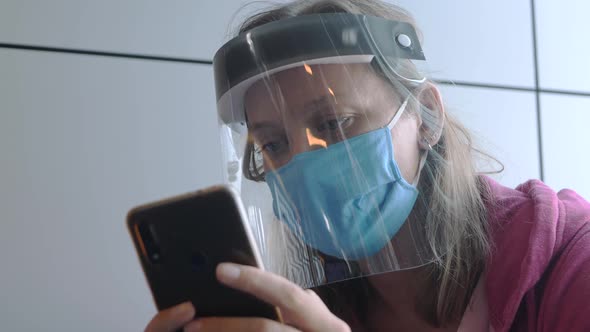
{"x": 387, "y": 219}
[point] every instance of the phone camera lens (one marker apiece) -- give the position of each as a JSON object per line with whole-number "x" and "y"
{"x": 155, "y": 256}
{"x": 147, "y": 232}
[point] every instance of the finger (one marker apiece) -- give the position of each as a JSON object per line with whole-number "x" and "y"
{"x": 237, "y": 324}
{"x": 266, "y": 286}
{"x": 171, "y": 319}
{"x": 298, "y": 307}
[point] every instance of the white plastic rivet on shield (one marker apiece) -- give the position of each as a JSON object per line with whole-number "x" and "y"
{"x": 404, "y": 40}
{"x": 349, "y": 36}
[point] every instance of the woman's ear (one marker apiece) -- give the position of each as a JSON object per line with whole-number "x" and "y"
{"x": 432, "y": 115}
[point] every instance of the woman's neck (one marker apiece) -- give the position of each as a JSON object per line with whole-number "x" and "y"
{"x": 404, "y": 301}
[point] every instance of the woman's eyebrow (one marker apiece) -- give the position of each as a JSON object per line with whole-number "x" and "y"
{"x": 258, "y": 126}
{"x": 327, "y": 103}
{"x": 318, "y": 103}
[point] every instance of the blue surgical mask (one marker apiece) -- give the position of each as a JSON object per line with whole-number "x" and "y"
{"x": 347, "y": 200}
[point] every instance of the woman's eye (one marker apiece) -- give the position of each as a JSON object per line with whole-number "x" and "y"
{"x": 272, "y": 147}
{"x": 333, "y": 124}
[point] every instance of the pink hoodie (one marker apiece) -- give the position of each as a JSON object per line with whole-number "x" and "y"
{"x": 538, "y": 276}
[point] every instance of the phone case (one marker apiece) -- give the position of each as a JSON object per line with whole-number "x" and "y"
{"x": 181, "y": 240}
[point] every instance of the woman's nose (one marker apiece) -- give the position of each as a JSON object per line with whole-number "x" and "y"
{"x": 305, "y": 141}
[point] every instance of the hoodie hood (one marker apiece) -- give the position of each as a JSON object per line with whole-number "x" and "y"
{"x": 532, "y": 227}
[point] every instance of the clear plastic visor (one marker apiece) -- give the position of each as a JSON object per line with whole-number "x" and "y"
{"x": 320, "y": 127}
{"x": 327, "y": 179}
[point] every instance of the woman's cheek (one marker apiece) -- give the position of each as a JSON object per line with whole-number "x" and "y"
{"x": 406, "y": 147}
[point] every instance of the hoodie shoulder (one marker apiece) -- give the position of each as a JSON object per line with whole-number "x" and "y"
{"x": 532, "y": 228}
{"x": 565, "y": 289}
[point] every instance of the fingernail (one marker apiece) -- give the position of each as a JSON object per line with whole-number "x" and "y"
{"x": 184, "y": 309}
{"x": 228, "y": 272}
{"x": 193, "y": 326}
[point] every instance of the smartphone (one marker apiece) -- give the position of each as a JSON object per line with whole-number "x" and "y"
{"x": 181, "y": 240}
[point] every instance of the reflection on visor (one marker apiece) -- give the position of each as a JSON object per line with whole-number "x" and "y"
{"x": 314, "y": 141}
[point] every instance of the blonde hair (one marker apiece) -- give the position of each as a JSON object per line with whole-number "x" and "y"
{"x": 452, "y": 193}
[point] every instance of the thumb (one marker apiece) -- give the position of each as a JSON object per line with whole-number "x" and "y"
{"x": 171, "y": 319}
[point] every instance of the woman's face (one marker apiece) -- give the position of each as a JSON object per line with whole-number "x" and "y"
{"x": 310, "y": 107}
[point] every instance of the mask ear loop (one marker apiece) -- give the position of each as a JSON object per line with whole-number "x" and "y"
{"x": 422, "y": 163}
{"x": 424, "y": 155}
{"x": 399, "y": 113}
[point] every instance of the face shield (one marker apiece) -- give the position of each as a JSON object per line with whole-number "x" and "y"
{"x": 307, "y": 107}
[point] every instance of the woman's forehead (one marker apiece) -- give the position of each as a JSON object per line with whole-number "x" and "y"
{"x": 298, "y": 87}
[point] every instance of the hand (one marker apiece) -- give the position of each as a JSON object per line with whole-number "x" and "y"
{"x": 301, "y": 310}
{"x": 172, "y": 319}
